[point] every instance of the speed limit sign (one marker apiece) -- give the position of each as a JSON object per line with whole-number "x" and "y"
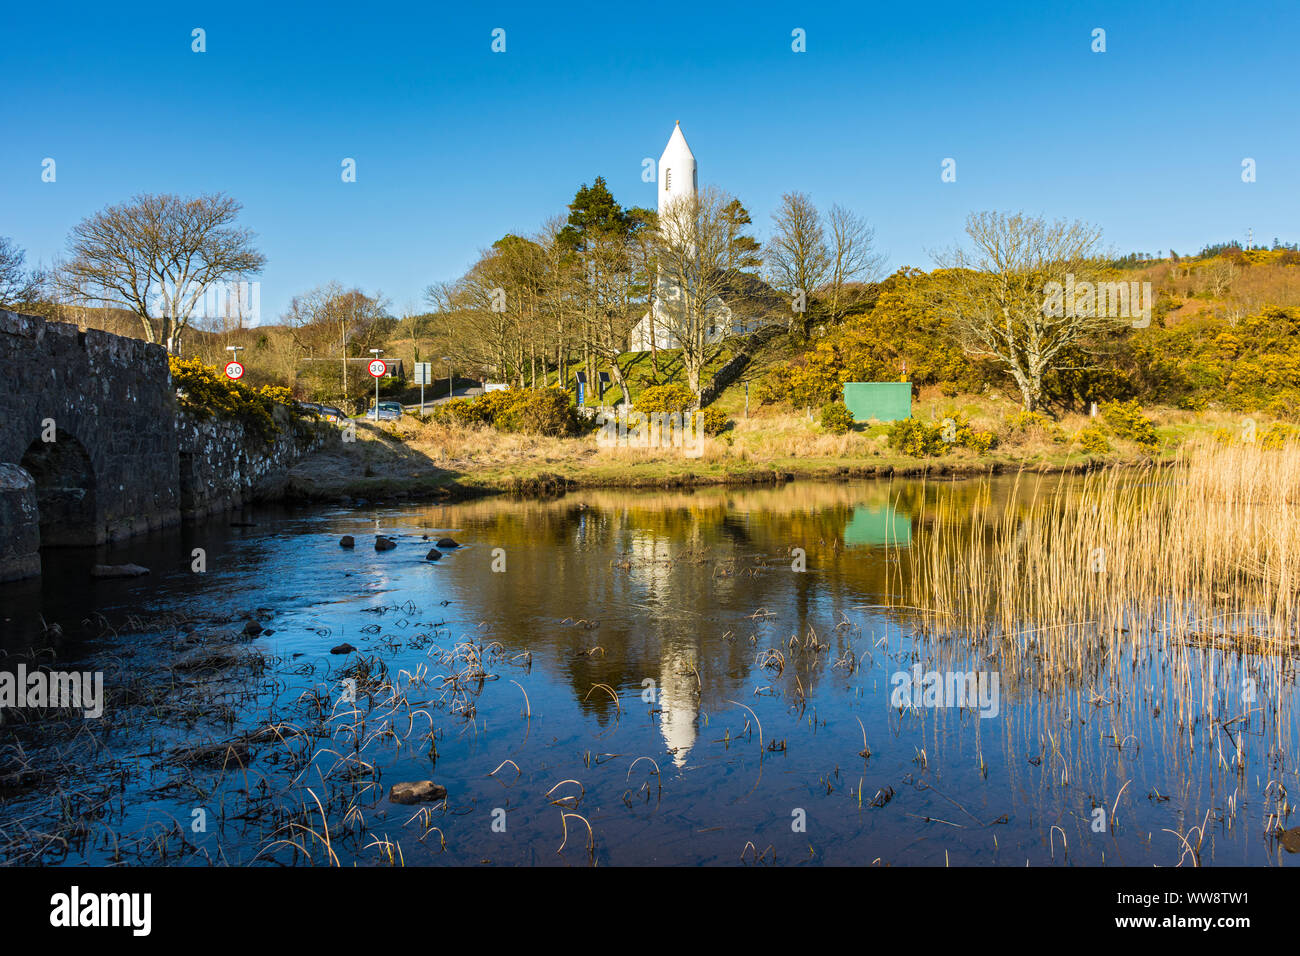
{"x": 234, "y": 370}
{"x": 378, "y": 368}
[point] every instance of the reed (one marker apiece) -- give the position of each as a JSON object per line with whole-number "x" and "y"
{"x": 1200, "y": 549}
{"x": 1171, "y": 588}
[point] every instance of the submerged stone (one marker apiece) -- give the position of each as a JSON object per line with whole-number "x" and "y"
{"x": 418, "y": 791}
{"x": 117, "y": 571}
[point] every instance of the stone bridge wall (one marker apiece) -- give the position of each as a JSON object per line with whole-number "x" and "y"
{"x": 93, "y": 447}
{"x": 223, "y": 467}
{"x": 103, "y": 394}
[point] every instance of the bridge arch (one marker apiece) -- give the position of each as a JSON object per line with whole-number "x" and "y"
{"x": 65, "y": 491}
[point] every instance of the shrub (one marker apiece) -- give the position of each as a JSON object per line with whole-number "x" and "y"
{"x": 1127, "y": 421}
{"x": 464, "y": 412}
{"x": 1092, "y": 439}
{"x": 208, "y": 393}
{"x": 676, "y": 399}
{"x": 924, "y": 439}
{"x": 1278, "y": 434}
{"x": 533, "y": 411}
{"x": 1024, "y": 420}
{"x": 670, "y": 398}
{"x": 1033, "y": 425}
{"x": 715, "y": 421}
{"x": 1285, "y": 405}
{"x": 915, "y": 438}
{"x": 977, "y": 441}
{"x": 836, "y": 418}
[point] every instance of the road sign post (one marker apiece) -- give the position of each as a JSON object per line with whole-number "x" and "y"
{"x": 378, "y": 368}
{"x": 234, "y": 371}
{"x": 423, "y": 377}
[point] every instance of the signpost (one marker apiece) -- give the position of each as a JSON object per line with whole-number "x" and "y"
{"x": 234, "y": 371}
{"x": 423, "y": 377}
{"x": 602, "y": 379}
{"x": 378, "y": 368}
{"x": 582, "y": 387}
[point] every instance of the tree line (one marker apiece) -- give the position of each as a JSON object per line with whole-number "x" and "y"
{"x": 532, "y": 309}
{"x": 529, "y": 311}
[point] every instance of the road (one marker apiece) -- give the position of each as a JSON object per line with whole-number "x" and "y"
{"x": 461, "y": 391}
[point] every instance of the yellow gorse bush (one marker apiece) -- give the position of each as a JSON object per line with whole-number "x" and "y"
{"x": 205, "y": 391}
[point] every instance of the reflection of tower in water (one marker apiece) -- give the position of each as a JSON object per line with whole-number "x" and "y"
{"x": 663, "y": 583}
{"x": 678, "y": 699}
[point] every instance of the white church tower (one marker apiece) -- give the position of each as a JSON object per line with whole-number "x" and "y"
{"x": 678, "y": 179}
{"x": 678, "y": 174}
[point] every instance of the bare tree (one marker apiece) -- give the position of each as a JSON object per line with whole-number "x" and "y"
{"x": 1218, "y": 276}
{"x": 701, "y": 248}
{"x": 481, "y": 311}
{"x": 641, "y": 259}
{"x": 332, "y": 320}
{"x": 18, "y": 286}
{"x": 852, "y": 256}
{"x": 798, "y": 260}
{"x": 157, "y": 255}
{"x": 999, "y": 306}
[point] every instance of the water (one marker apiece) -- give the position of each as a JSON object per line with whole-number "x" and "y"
{"x": 749, "y": 685}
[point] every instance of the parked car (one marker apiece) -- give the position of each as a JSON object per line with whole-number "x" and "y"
{"x": 387, "y": 412}
{"x": 330, "y": 413}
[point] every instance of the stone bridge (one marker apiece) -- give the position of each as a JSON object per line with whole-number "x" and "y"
{"x": 93, "y": 447}
{"x": 91, "y": 419}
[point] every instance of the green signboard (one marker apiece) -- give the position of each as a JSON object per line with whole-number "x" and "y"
{"x": 883, "y": 401}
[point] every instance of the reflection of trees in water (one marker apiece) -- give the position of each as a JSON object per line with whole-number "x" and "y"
{"x": 677, "y": 581}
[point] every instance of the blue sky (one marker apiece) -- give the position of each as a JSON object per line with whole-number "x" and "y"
{"x": 456, "y": 145}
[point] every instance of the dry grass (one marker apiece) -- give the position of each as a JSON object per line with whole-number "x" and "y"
{"x": 415, "y": 457}
{"x": 1197, "y": 552}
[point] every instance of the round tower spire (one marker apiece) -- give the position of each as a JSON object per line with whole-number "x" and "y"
{"x": 677, "y": 169}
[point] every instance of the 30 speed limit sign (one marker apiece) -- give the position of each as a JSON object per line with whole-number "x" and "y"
{"x": 234, "y": 370}
{"x": 378, "y": 368}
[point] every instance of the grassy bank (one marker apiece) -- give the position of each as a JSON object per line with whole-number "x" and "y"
{"x": 425, "y": 458}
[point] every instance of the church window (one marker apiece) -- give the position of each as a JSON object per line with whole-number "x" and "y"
{"x": 668, "y": 179}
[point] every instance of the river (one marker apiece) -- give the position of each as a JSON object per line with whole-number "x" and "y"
{"x": 643, "y": 677}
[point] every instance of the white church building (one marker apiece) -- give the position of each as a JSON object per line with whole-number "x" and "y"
{"x": 678, "y": 178}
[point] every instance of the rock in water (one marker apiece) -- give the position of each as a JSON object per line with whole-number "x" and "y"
{"x": 447, "y": 543}
{"x": 419, "y": 791}
{"x": 346, "y": 541}
{"x": 1290, "y": 840}
{"x": 252, "y": 629}
{"x": 384, "y": 544}
{"x": 344, "y": 648}
{"x": 117, "y": 571}
{"x": 433, "y": 555}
